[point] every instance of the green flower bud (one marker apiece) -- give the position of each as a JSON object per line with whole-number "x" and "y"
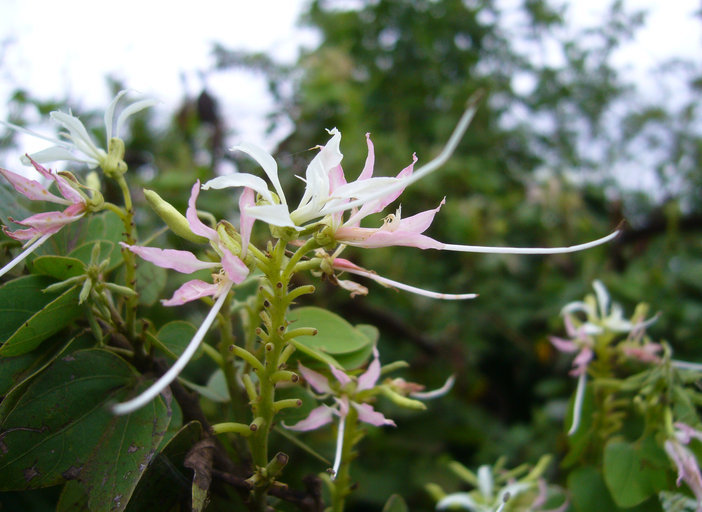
{"x": 229, "y": 236}
{"x": 172, "y": 217}
{"x": 113, "y": 164}
{"x": 402, "y": 401}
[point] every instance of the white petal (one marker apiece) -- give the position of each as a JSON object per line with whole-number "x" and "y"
{"x": 276, "y": 214}
{"x": 241, "y": 180}
{"x": 58, "y": 153}
{"x": 267, "y": 162}
{"x": 130, "y": 111}
{"x": 110, "y": 112}
{"x": 602, "y": 297}
{"x": 78, "y": 135}
{"x": 428, "y": 168}
{"x": 460, "y": 499}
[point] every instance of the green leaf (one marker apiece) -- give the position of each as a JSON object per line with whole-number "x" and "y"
{"x": 73, "y": 498}
{"x": 15, "y": 371}
{"x": 58, "y": 267}
{"x": 634, "y": 474}
{"x": 334, "y": 334}
{"x": 166, "y": 482}
{"x": 61, "y": 429}
{"x": 395, "y": 503}
{"x": 33, "y": 320}
{"x": 589, "y": 491}
{"x": 151, "y": 281}
{"x": 216, "y": 388}
{"x": 175, "y": 336}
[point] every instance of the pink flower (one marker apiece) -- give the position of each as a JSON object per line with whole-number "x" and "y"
{"x": 42, "y": 225}
{"x": 231, "y": 271}
{"x": 684, "y": 460}
{"x": 345, "y": 390}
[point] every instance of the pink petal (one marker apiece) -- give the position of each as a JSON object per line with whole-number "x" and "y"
{"x": 318, "y": 417}
{"x": 31, "y": 189}
{"x": 367, "y": 414}
{"x": 246, "y": 222}
{"x": 367, "y": 171}
{"x": 180, "y": 261}
{"x": 566, "y": 346}
{"x": 318, "y": 381}
{"x": 196, "y": 225}
{"x": 340, "y": 375}
{"x": 581, "y": 361}
{"x": 368, "y": 379}
{"x": 235, "y": 268}
{"x": 22, "y": 234}
{"x": 421, "y": 221}
{"x": 50, "y": 222}
{"x": 190, "y": 291}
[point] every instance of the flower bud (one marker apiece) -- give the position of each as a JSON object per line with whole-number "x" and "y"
{"x": 172, "y": 217}
{"x": 402, "y": 401}
{"x": 113, "y": 164}
{"x": 229, "y": 236}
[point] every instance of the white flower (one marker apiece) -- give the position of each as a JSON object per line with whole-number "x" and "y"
{"x": 77, "y": 145}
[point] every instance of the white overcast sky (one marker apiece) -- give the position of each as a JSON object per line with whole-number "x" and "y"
{"x": 67, "y": 47}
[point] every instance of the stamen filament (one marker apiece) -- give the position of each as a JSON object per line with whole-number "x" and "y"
{"x": 529, "y": 250}
{"x": 578, "y": 403}
{"x": 168, "y": 377}
{"x": 339, "y": 446}
{"x": 29, "y": 250}
{"x": 409, "y": 288}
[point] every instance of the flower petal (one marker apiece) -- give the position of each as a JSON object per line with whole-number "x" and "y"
{"x": 318, "y": 381}
{"x": 340, "y": 375}
{"x": 31, "y": 189}
{"x": 180, "y": 261}
{"x": 192, "y": 290}
{"x": 110, "y": 113}
{"x": 238, "y": 179}
{"x": 247, "y": 199}
{"x": 435, "y": 393}
{"x": 368, "y": 378}
{"x": 367, "y": 414}
{"x": 78, "y": 135}
{"x": 129, "y": 111}
{"x": 276, "y": 214}
{"x": 196, "y": 225}
{"x": 267, "y": 162}
{"x": 318, "y": 417}
{"x": 59, "y": 153}
{"x": 235, "y": 268}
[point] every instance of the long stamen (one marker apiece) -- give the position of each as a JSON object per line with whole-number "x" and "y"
{"x": 578, "y": 404}
{"x": 339, "y": 446}
{"x": 408, "y": 288}
{"x": 529, "y": 250}
{"x": 29, "y": 250}
{"x": 168, "y": 377}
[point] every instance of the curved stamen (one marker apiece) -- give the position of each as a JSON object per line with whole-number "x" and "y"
{"x": 168, "y": 377}
{"x": 409, "y": 288}
{"x": 529, "y": 250}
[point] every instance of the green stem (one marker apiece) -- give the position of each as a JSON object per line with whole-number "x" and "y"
{"x": 129, "y": 257}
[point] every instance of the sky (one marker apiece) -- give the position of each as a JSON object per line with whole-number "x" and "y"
{"x": 66, "y": 48}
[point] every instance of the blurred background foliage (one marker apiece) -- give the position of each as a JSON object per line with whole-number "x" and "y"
{"x": 537, "y": 168}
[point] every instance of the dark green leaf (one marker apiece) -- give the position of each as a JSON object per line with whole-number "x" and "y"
{"x": 58, "y": 267}
{"x": 61, "y": 429}
{"x": 175, "y": 336}
{"x": 32, "y": 324}
{"x": 166, "y": 482}
{"x": 634, "y": 473}
{"x": 395, "y": 503}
